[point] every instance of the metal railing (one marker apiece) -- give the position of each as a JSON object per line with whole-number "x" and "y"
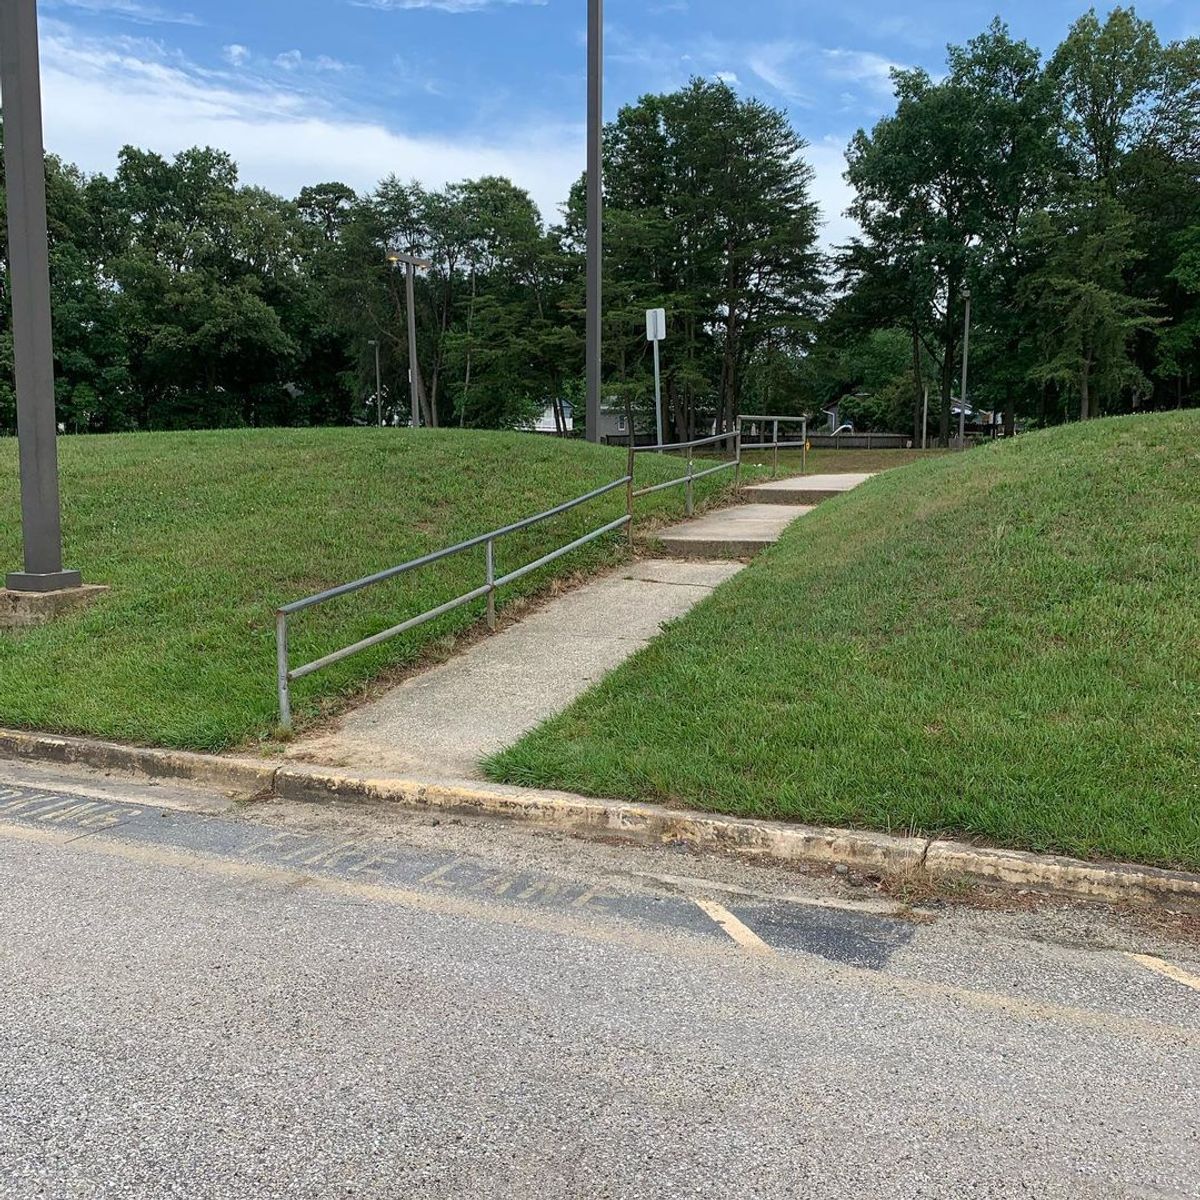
{"x": 286, "y": 674}
{"x": 774, "y": 444}
{"x": 689, "y": 479}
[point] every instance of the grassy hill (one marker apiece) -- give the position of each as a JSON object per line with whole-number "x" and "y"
{"x": 201, "y": 535}
{"x": 1003, "y": 644}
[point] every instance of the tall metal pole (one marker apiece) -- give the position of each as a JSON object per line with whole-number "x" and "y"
{"x": 595, "y": 212}
{"x": 378, "y": 387}
{"x": 411, "y": 263}
{"x": 410, "y": 272}
{"x": 962, "y": 400}
{"x": 658, "y": 412}
{"x": 925, "y": 419}
{"x": 29, "y": 282}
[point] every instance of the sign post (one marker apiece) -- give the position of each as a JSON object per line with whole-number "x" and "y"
{"x": 656, "y": 330}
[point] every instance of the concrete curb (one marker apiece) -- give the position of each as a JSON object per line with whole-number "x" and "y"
{"x": 776, "y": 841}
{"x": 612, "y": 818}
{"x": 1073, "y": 876}
{"x": 246, "y": 776}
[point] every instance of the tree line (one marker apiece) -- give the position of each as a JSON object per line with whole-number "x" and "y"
{"x": 1061, "y": 193}
{"x": 183, "y": 298}
{"x": 1063, "y": 196}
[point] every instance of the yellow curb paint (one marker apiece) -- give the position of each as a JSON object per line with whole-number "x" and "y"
{"x": 737, "y": 930}
{"x": 1168, "y": 969}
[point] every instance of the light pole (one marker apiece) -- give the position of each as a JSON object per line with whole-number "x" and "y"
{"x": 411, "y": 263}
{"x": 595, "y": 211}
{"x": 962, "y": 399}
{"x": 378, "y": 390}
{"x": 29, "y": 281}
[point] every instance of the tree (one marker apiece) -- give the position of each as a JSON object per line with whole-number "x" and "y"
{"x": 1132, "y": 127}
{"x": 710, "y": 216}
{"x": 1110, "y": 75}
{"x": 1179, "y": 341}
{"x": 944, "y": 186}
{"x": 920, "y": 189}
{"x": 202, "y": 271}
{"x": 1086, "y": 319}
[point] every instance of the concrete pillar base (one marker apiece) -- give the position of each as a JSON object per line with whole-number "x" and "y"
{"x": 28, "y": 581}
{"x": 21, "y": 610}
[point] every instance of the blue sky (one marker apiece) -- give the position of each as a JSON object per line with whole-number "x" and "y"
{"x": 302, "y": 91}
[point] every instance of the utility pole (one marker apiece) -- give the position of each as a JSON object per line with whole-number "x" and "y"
{"x": 411, "y": 263}
{"x": 378, "y": 389}
{"x": 29, "y": 282}
{"x": 962, "y": 399}
{"x": 595, "y": 212}
{"x": 925, "y": 419}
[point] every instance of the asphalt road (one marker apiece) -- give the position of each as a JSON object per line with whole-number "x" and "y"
{"x": 208, "y": 1001}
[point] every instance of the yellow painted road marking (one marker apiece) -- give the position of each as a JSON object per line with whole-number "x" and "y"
{"x": 741, "y": 933}
{"x": 1168, "y": 969}
{"x": 801, "y": 967}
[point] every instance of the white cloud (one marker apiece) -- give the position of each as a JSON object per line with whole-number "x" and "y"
{"x": 861, "y": 66}
{"x": 827, "y": 157}
{"x": 775, "y": 64}
{"x": 237, "y": 55}
{"x": 729, "y": 77}
{"x": 130, "y": 10}
{"x": 100, "y": 94}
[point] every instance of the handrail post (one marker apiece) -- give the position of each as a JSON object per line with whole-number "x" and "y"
{"x": 804, "y": 447}
{"x": 490, "y": 558}
{"x": 281, "y": 671}
{"x": 689, "y": 502}
{"x": 629, "y": 490}
{"x": 775, "y": 449}
{"x": 737, "y": 459}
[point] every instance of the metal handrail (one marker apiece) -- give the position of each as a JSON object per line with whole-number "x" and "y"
{"x": 775, "y": 443}
{"x": 285, "y": 673}
{"x": 688, "y": 480}
{"x": 716, "y": 437}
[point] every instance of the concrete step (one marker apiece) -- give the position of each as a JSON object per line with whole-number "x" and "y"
{"x": 738, "y": 532}
{"x": 804, "y": 489}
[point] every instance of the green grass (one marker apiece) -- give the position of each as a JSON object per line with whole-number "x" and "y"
{"x": 1003, "y": 644}
{"x": 202, "y": 535}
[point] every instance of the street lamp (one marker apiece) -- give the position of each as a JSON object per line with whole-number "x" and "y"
{"x": 378, "y": 390}
{"x": 411, "y": 263}
{"x": 962, "y": 399}
{"x": 29, "y": 280}
{"x": 595, "y": 212}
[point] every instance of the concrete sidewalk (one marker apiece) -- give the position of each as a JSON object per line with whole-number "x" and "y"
{"x": 444, "y": 720}
{"x": 737, "y": 532}
{"x": 805, "y": 489}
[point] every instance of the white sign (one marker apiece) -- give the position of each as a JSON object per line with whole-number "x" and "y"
{"x": 656, "y": 324}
